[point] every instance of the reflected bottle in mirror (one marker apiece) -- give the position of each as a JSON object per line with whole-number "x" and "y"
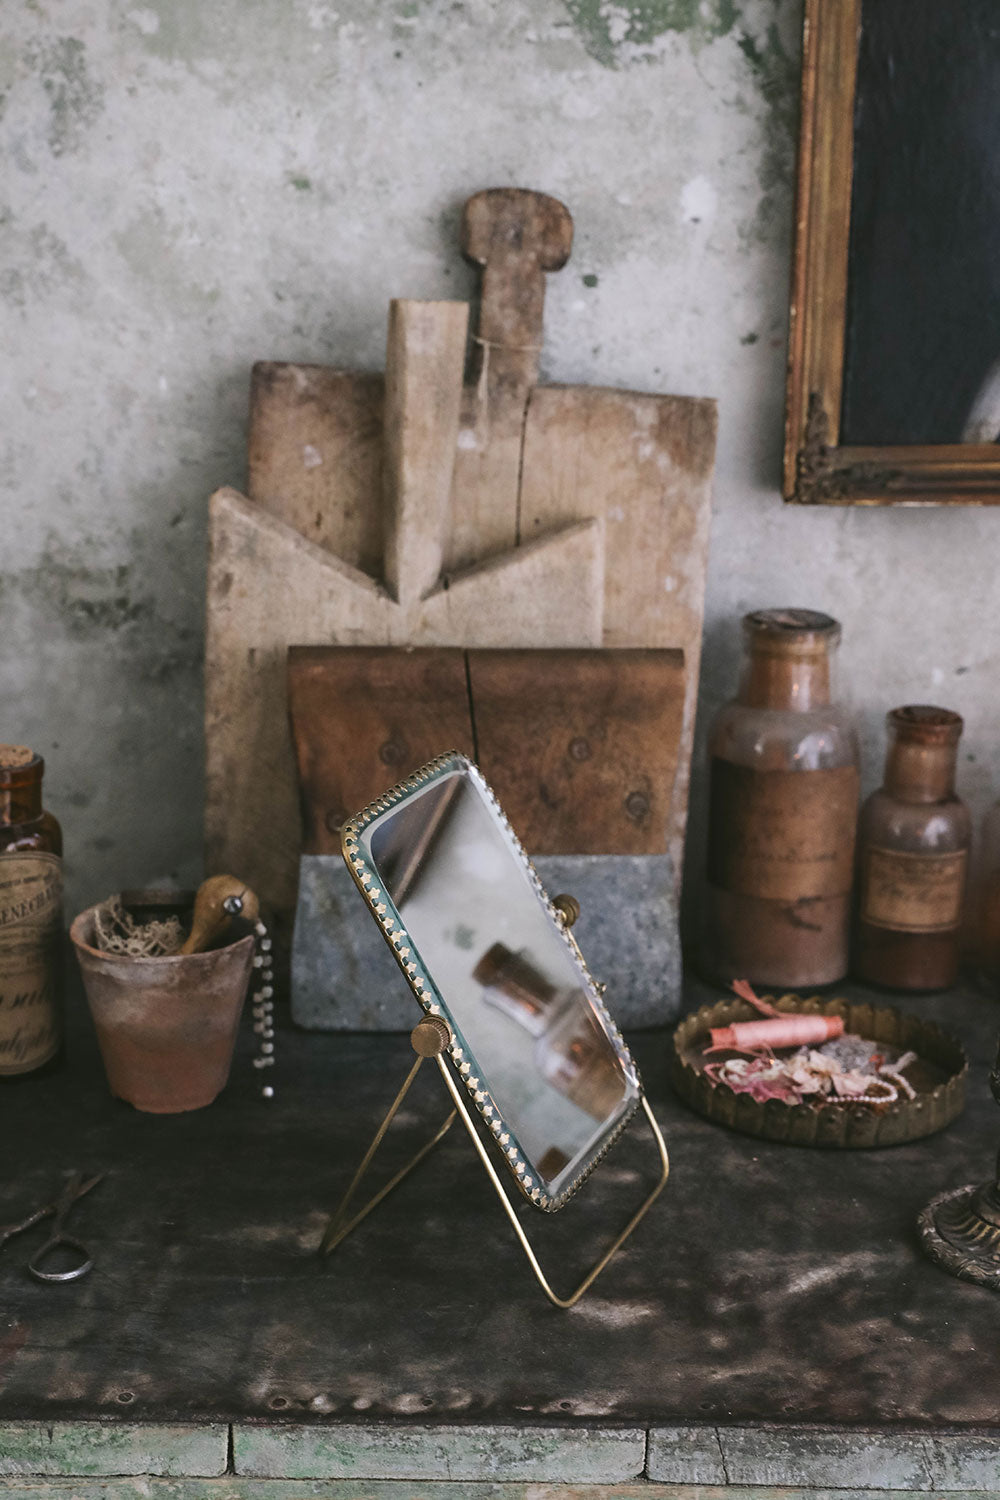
{"x": 571, "y": 1050}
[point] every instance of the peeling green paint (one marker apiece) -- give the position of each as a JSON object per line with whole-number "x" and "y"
{"x": 556, "y": 1455}
{"x": 76, "y": 101}
{"x": 589, "y": 280}
{"x": 301, "y": 184}
{"x": 775, "y": 73}
{"x": 614, "y": 31}
{"x": 90, "y": 1448}
{"x": 619, "y": 32}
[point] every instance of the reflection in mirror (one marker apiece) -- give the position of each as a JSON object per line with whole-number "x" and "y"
{"x": 510, "y": 984}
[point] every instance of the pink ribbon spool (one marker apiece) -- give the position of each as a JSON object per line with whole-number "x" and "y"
{"x": 783, "y": 1031}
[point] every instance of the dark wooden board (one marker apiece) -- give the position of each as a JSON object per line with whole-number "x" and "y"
{"x": 363, "y": 718}
{"x": 767, "y": 1284}
{"x": 581, "y": 747}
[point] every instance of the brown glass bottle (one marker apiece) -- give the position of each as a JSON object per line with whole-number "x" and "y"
{"x": 30, "y": 918}
{"x": 913, "y": 846}
{"x": 782, "y": 811}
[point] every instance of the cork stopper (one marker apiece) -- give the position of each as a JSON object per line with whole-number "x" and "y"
{"x": 21, "y": 772}
{"x": 12, "y": 757}
{"x": 791, "y": 632}
{"x": 20, "y": 769}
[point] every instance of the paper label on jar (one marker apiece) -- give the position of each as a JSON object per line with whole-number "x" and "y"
{"x": 913, "y": 892}
{"x": 30, "y": 944}
{"x": 782, "y": 835}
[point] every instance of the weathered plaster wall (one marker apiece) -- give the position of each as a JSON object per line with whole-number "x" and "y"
{"x": 192, "y": 186}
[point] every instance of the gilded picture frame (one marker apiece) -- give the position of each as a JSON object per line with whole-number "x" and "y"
{"x": 820, "y": 466}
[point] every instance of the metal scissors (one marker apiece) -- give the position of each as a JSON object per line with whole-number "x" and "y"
{"x": 59, "y": 1209}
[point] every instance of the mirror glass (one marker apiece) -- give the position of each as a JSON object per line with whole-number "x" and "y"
{"x": 507, "y": 977}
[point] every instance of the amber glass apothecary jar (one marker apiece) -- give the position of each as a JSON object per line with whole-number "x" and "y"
{"x": 783, "y": 808}
{"x": 30, "y": 918}
{"x": 913, "y": 850}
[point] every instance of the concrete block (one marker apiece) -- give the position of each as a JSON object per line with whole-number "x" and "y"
{"x": 352, "y": 1451}
{"x": 84, "y": 1448}
{"x": 817, "y": 1459}
{"x": 964, "y": 1461}
{"x": 825, "y": 1459}
{"x": 685, "y": 1455}
{"x": 345, "y": 979}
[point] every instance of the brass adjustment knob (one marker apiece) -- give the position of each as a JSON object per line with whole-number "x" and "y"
{"x": 568, "y": 908}
{"x": 430, "y": 1037}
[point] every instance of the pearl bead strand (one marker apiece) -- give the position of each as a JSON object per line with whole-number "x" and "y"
{"x": 263, "y": 1005}
{"x": 263, "y": 1000}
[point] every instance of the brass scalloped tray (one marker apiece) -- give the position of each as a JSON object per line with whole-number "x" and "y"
{"x": 939, "y": 1079}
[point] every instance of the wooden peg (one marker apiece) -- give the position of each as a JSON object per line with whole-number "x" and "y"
{"x": 516, "y": 236}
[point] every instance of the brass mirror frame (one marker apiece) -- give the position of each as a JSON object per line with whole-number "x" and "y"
{"x": 818, "y": 470}
{"x": 433, "y": 1037}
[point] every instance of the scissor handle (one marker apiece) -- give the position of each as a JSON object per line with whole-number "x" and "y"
{"x": 36, "y": 1263}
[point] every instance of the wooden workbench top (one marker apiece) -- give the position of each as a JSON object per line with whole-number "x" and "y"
{"x": 767, "y": 1285}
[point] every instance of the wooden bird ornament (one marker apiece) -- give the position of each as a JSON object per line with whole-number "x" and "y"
{"x": 217, "y": 901}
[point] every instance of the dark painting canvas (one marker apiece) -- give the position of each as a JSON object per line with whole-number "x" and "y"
{"x": 922, "y": 361}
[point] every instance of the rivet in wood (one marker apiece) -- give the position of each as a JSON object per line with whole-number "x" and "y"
{"x": 637, "y": 805}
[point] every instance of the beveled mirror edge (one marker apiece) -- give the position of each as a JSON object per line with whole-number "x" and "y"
{"x": 394, "y": 932}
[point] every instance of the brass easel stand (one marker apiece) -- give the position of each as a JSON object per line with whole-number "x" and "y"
{"x": 430, "y": 1038}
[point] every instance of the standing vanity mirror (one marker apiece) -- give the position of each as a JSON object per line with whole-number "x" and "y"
{"x": 512, "y": 1016}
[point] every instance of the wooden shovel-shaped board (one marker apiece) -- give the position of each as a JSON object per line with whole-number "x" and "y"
{"x": 529, "y": 456}
{"x": 269, "y": 586}
{"x": 504, "y": 496}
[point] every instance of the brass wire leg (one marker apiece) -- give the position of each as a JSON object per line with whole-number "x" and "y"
{"x": 429, "y": 1040}
{"x": 337, "y": 1230}
{"x": 509, "y": 1210}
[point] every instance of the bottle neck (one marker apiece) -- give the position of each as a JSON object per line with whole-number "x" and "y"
{"x": 916, "y": 772}
{"x": 785, "y": 681}
{"x": 20, "y": 804}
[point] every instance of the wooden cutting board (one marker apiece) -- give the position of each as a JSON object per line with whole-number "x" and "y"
{"x": 519, "y": 495}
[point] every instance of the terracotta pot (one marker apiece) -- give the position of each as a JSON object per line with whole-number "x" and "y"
{"x": 166, "y": 1026}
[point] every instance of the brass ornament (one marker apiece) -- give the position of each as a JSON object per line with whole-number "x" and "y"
{"x": 818, "y": 479}
{"x": 567, "y": 908}
{"x": 960, "y": 1229}
{"x": 431, "y": 1036}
